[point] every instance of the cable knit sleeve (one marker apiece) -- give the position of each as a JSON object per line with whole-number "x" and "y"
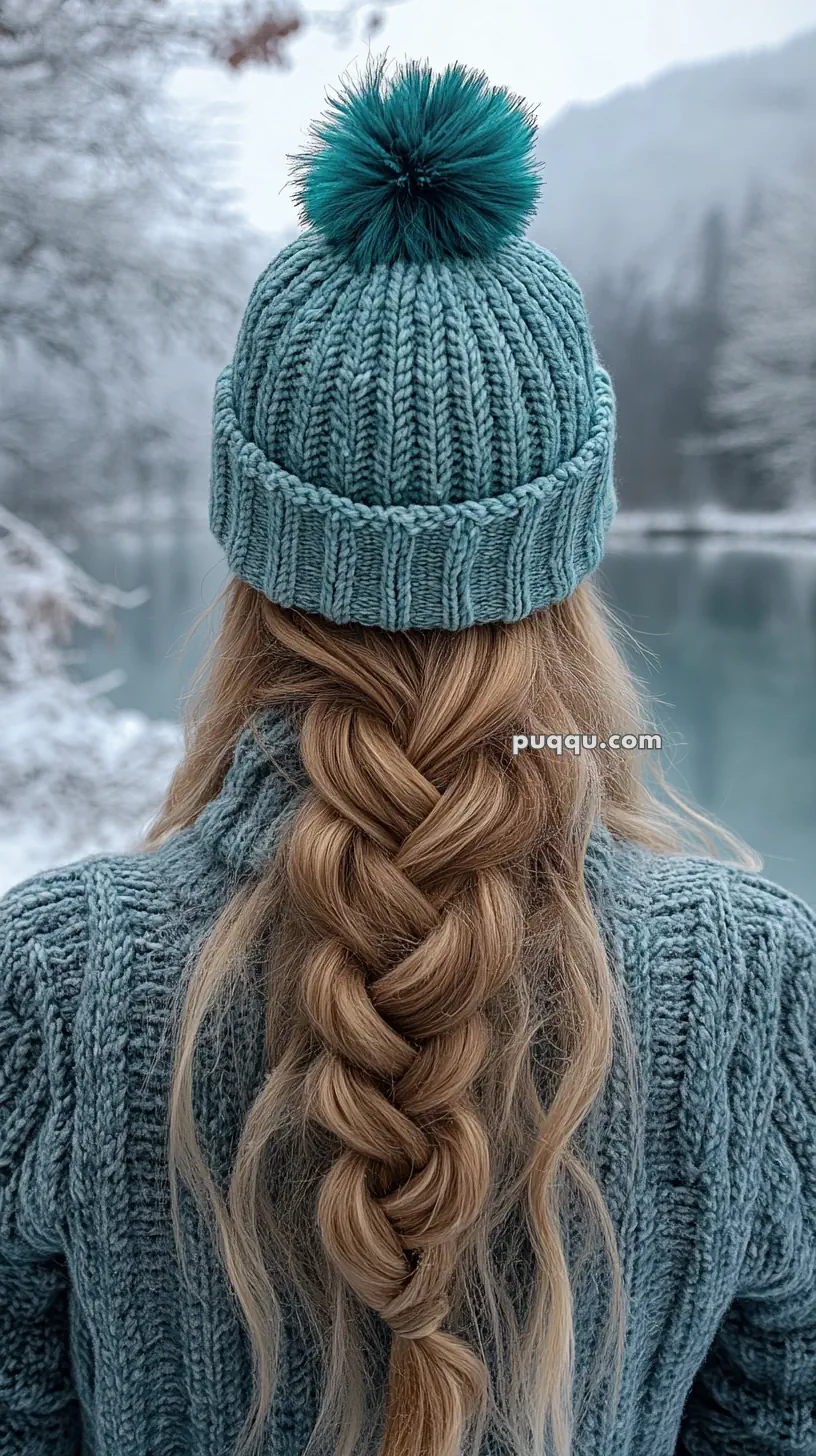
{"x": 39, "y": 1411}
{"x": 755, "y": 1394}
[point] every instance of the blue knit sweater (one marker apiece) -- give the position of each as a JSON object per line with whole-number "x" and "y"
{"x": 105, "y": 1350}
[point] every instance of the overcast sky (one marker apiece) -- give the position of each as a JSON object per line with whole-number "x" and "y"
{"x": 551, "y": 52}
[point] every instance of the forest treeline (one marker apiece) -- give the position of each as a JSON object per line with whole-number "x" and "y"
{"x": 717, "y": 391}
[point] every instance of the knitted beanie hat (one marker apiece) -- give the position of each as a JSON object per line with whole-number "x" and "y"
{"x": 415, "y": 430}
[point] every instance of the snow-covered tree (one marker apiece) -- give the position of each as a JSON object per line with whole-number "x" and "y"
{"x": 103, "y": 192}
{"x": 113, "y": 237}
{"x": 43, "y": 596}
{"x": 77, "y": 776}
{"x": 118, "y": 239}
{"x": 764, "y": 381}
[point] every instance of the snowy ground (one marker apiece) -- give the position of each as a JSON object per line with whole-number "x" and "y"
{"x": 77, "y": 776}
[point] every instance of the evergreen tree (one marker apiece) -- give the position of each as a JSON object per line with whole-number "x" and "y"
{"x": 764, "y": 383}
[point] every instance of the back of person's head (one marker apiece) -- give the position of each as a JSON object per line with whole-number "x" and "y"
{"x": 412, "y": 480}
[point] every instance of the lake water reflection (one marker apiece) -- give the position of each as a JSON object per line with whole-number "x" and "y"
{"x": 733, "y": 676}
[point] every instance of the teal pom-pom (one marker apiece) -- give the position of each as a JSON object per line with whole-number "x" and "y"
{"x": 420, "y": 166}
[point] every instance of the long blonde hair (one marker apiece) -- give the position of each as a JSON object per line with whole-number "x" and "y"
{"x": 424, "y": 930}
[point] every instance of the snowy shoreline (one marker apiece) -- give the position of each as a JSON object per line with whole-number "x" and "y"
{"x": 708, "y": 521}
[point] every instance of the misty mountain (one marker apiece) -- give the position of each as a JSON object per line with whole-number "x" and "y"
{"x": 630, "y": 180}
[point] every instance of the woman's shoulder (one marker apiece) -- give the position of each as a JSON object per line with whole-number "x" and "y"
{"x": 64, "y": 932}
{"x": 719, "y": 967}
{"x": 725, "y": 955}
{"x": 58, "y": 902}
{"x": 680, "y": 885}
{"x": 44, "y": 921}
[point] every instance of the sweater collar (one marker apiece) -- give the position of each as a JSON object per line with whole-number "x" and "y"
{"x": 263, "y": 785}
{"x": 242, "y": 825}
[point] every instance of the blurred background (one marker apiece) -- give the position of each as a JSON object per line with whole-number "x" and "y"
{"x": 143, "y": 186}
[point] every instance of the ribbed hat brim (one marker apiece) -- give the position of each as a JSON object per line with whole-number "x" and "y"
{"x": 395, "y": 567}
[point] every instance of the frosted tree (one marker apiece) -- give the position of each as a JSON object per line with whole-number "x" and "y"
{"x": 76, "y": 775}
{"x": 118, "y": 239}
{"x": 764, "y": 380}
{"x": 101, "y": 188}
